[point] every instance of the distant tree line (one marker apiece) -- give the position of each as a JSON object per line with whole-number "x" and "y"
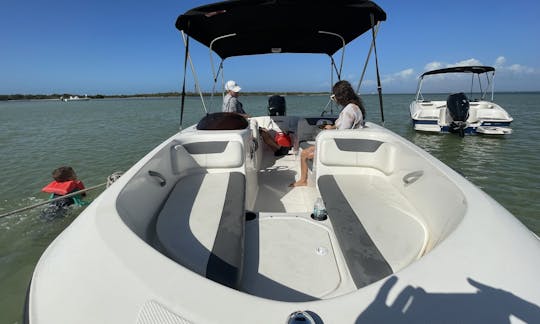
{"x": 43, "y": 96}
{"x": 140, "y": 95}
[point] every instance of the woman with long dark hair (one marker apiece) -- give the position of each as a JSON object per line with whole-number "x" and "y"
{"x": 351, "y": 116}
{"x": 353, "y": 113}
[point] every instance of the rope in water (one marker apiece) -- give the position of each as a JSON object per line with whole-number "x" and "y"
{"x": 110, "y": 179}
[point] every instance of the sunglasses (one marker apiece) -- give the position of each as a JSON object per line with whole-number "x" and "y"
{"x": 333, "y": 97}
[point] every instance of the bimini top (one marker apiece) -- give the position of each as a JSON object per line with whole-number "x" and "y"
{"x": 461, "y": 69}
{"x": 279, "y": 26}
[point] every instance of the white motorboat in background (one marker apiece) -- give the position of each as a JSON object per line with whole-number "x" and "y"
{"x": 205, "y": 229}
{"x": 75, "y": 98}
{"x": 459, "y": 113}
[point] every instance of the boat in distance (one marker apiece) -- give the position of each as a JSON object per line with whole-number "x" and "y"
{"x": 75, "y": 98}
{"x": 459, "y": 113}
{"x": 205, "y": 228}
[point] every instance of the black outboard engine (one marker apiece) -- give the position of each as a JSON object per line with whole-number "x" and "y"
{"x": 457, "y": 105}
{"x": 276, "y": 106}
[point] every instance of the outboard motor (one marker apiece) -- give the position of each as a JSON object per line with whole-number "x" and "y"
{"x": 457, "y": 105}
{"x": 276, "y": 106}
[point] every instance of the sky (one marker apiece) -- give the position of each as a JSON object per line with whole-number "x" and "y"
{"x": 129, "y": 47}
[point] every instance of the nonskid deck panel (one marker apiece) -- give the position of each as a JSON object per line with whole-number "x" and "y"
{"x": 290, "y": 257}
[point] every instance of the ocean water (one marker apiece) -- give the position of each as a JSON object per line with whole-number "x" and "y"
{"x": 99, "y": 137}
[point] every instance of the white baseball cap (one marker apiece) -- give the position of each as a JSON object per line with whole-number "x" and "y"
{"x": 232, "y": 86}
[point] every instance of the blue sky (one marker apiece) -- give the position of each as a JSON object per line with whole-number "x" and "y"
{"x": 127, "y": 47}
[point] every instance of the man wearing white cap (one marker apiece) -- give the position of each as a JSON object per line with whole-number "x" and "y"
{"x": 230, "y": 102}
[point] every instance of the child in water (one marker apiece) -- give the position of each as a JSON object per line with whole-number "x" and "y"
{"x": 65, "y": 182}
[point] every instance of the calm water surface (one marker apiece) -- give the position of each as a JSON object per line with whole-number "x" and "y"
{"x": 99, "y": 137}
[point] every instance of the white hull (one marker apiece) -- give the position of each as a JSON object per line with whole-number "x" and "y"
{"x": 485, "y": 117}
{"x": 459, "y": 114}
{"x": 75, "y": 98}
{"x": 454, "y": 254}
{"x": 82, "y": 99}
{"x": 204, "y": 229}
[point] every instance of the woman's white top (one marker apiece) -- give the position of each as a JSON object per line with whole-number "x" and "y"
{"x": 350, "y": 117}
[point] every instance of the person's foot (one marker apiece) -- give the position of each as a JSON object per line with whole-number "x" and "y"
{"x": 281, "y": 151}
{"x": 299, "y": 183}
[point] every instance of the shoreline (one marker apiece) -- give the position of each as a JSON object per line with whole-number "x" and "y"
{"x": 29, "y": 97}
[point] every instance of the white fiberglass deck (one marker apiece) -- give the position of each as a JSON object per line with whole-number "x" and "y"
{"x": 274, "y": 193}
{"x": 291, "y": 257}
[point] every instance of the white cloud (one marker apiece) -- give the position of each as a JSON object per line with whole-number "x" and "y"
{"x": 500, "y": 61}
{"x": 399, "y": 76}
{"x": 404, "y": 74}
{"x": 433, "y": 66}
{"x": 518, "y": 68}
{"x": 467, "y": 62}
{"x": 510, "y": 76}
{"x": 500, "y": 65}
{"x": 440, "y": 65}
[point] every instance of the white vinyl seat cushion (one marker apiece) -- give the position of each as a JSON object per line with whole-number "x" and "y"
{"x": 201, "y": 225}
{"x": 374, "y": 224}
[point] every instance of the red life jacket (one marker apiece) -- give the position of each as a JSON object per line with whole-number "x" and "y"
{"x": 63, "y": 188}
{"x": 283, "y": 139}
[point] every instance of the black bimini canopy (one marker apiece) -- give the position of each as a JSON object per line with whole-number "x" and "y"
{"x": 279, "y": 26}
{"x": 461, "y": 69}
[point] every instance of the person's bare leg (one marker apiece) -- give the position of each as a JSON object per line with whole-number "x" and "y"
{"x": 306, "y": 154}
{"x": 269, "y": 140}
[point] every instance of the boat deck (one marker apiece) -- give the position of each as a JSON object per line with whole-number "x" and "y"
{"x": 291, "y": 257}
{"x": 288, "y": 255}
{"x": 274, "y": 178}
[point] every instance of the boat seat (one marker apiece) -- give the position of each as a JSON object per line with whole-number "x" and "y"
{"x": 346, "y": 153}
{"x": 373, "y": 223}
{"x": 201, "y": 225}
{"x": 208, "y": 155}
{"x": 376, "y": 226}
{"x": 365, "y": 262}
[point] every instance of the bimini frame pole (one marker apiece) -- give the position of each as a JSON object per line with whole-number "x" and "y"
{"x": 419, "y": 89}
{"x": 330, "y": 101}
{"x": 338, "y": 72}
{"x": 379, "y": 87}
{"x": 367, "y": 61}
{"x": 472, "y": 85}
{"x": 183, "y": 99}
{"x": 220, "y": 68}
{"x": 492, "y": 84}
{"x": 333, "y": 68}
{"x": 197, "y": 86}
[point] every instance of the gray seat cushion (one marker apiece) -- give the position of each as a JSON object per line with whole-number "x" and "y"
{"x": 201, "y": 225}
{"x": 365, "y": 262}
